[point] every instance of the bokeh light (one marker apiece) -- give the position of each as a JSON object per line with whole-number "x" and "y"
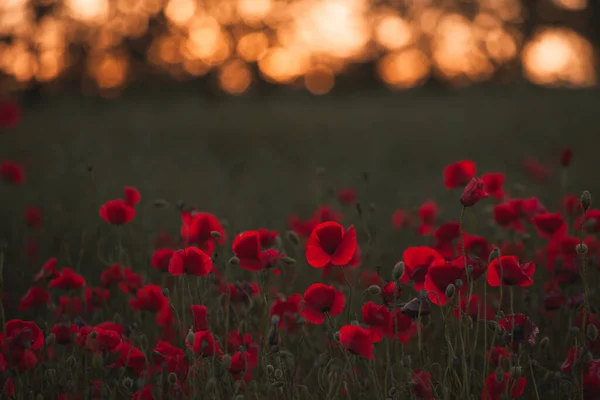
{"x": 304, "y": 43}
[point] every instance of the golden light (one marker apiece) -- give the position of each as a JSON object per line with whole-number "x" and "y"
{"x": 394, "y": 33}
{"x": 319, "y": 80}
{"x": 404, "y": 69}
{"x": 500, "y": 45}
{"x": 283, "y": 65}
{"x": 179, "y": 12}
{"x": 254, "y": 11}
{"x": 253, "y": 46}
{"x": 110, "y": 71}
{"x": 235, "y": 77}
{"x": 559, "y": 57}
{"x": 573, "y": 5}
{"x": 88, "y": 11}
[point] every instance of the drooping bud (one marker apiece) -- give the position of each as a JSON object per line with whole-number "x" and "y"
{"x": 216, "y": 235}
{"x": 450, "y": 290}
{"x": 398, "y": 271}
{"x": 293, "y": 238}
{"x": 495, "y": 253}
{"x": 592, "y": 332}
{"x": 275, "y": 319}
{"x": 289, "y": 260}
{"x": 544, "y": 343}
{"x": 270, "y": 369}
{"x": 458, "y": 283}
{"x": 234, "y": 261}
{"x": 516, "y": 372}
{"x": 374, "y": 290}
{"x": 165, "y": 292}
{"x": 337, "y": 336}
{"x": 128, "y": 383}
{"x": 190, "y": 338}
{"x": 172, "y": 378}
{"x": 586, "y": 200}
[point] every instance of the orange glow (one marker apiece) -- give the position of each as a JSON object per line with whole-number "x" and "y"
{"x": 573, "y": 5}
{"x": 283, "y": 65}
{"x": 393, "y": 32}
{"x": 235, "y": 77}
{"x": 319, "y": 80}
{"x": 254, "y": 11}
{"x": 500, "y": 45}
{"x": 405, "y": 69}
{"x": 253, "y": 46}
{"x": 110, "y": 71}
{"x": 559, "y": 57}
{"x": 179, "y": 12}
{"x": 89, "y": 11}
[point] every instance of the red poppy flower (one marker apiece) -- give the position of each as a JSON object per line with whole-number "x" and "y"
{"x": 48, "y": 270}
{"x": 571, "y": 205}
{"x": 548, "y": 224}
{"x": 320, "y": 299}
{"x": 204, "y": 344}
{"x": 531, "y": 207}
{"x": 197, "y": 228}
{"x": 328, "y": 243}
{"x": 553, "y": 297}
{"x": 8, "y": 390}
{"x": 473, "y": 193}
{"x": 240, "y": 367}
{"x": 161, "y": 259}
{"x": 130, "y": 357}
{"x": 247, "y": 247}
{"x": 388, "y": 295}
{"x": 402, "y": 327}
{"x": 458, "y": 174}
{"x": 447, "y": 232}
{"x": 494, "y": 390}
{"x": 442, "y": 274}
{"x": 347, "y": 196}
{"x": 326, "y": 214}
{"x": 428, "y": 213}
{"x": 117, "y": 212}
{"x": 377, "y": 318}
{"x": 566, "y": 156}
{"x": 21, "y": 335}
{"x": 421, "y": 386}
{"x": 95, "y": 298}
{"x": 10, "y": 114}
{"x": 591, "y": 222}
{"x": 170, "y": 359}
{"x": 132, "y": 196}
{"x": 508, "y": 271}
{"x": 144, "y": 393}
{"x": 149, "y": 298}
{"x": 476, "y": 310}
{"x": 475, "y": 246}
{"x": 11, "y": 172}
{"x": 102, "y": 340}
{"x": 191, "y": 261}
{"x": 537, "y": 171}
{"x": 497, "y": 354}
{"x": 493, "y": 183}
{"x": 267, "y": 237}
{"x": 68, "y": 279}
{"x": 33, "y": 217}
{"x": 63, "y": 333}
{"x": 287, "y": 309}
{"x": 520, "y": 329}
{"x": 111, "y": 326}
{"x": 358, "y": 340}
{"x": 69, "y": 306}
{"x": 163, "y": 239}
{"x": 112, "y": 275}
{"x": 200, "y": 317}
{"x": 400, "y": 219}
{"x": 417, "y": 261}
{"x": 506, "y": 215}
{"x": 36, "y": 296}
{"x": 131, "y": 281}
{"x": 240, "y": 292}
{"x": 573, "y": 356}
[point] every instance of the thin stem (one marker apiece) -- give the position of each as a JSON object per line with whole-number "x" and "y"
{"x": 349, "y": 294}
{"x": 2, "y": 314}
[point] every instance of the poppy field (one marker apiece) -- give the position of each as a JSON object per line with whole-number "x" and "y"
{"x": 496, "y": 302}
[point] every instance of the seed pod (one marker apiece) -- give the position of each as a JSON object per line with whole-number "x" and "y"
{"x": 354, "y": 322}
{"x": 458, "y": 283}
{"x": 398, "y": 270}
{"x": 275, "y": 319}
{"x": 586, "y": 200}
{"x": 270, "y": 369}
{"x": 544, "y": 343}
{"x": 374, "y": 290}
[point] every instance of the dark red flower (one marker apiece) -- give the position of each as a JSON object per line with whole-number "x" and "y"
{"x": 508, "y": 271}
{"x": 48, "y": 271}
{"x": 10, "y": 114}
{"x": 131, "y": 281}
{"x": 130, "y": 357}
{"x": 421, "y": 386}
{"x": 240, "y": 367}
{"x": 21, "y": 335}
{"x": 402, "y": 327}
{"x": 240, "y": 291}
{"x": 536, "y": 170}
{"x": 33, "y": 217}
{"x": 199, "y": 317}
{"x": 519, "y": 329}
{"x": 36, "y": 296}
{"x": 69, "y": 306}
{"x": 267, "y": 237}
{"x": 497, "y": 354}
{"x": 553, "y": 297}
{"x": 566, "y": 156}
{"x": 494, "y": 390}
{"x": 117, "y": 212}
{"x": 475, "y": 246}
{"x": 161, "y": 259}
{"x": 204, "y": 344}
{"x": 191, "y": 261}
{"x": 428, "y": 213}
{"x": 170, "y": 359}
{"x": 388, "y": 295}
{"x": 288, "y": 310}
{"x": 400, "y": 219}
{"x": 377, "y": 318}
{"x": 473, "y": 193}
{"x": 573, "y": 356}
{"x": 476, "y": 310}
{"x": 493, "y": 183}
{"x": 103, "y": 340}
{"x": 112, "y": 275}
{"x": 358, "y": 340}
{"x": 319, "y": 300}
{"x": 458, "y": 174}
{"x": 64, "y": 333}
{"x": 447, "y": 232}
{"x": 68, "y": 279}
{"x": 442, "y": 274}
{"x": 247, "y": 248}
{"x": 572, "y": 205}
{"x": 548, "y": 224}
{"x": 506, "y": 215}
{"x": 347, "y": 196}
{"x": 149, "y": 298}
{"x": 8, "y": 389}
{"x": 132, "y": 196}
{"x": 197, "y": 228}
{"x": 328, "y": 243}
{"x": 95, "y": 298}
{"x": 11, "y": 172}
{"x": 111, "y": 326}
{"x": 417, "y": 261}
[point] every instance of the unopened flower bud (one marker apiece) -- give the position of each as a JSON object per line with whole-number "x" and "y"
{"x": 172, "y": 378}
{"x": 165, "y": 292}
{"x": 470, "y": 269}
{"x": 234, "y": 261}
{"x": 226, "y": 361}
{"x": 398, "y": 271}
{"x": 495, "y": 253}
{"x": 50, "y": 339}
{"x": 592, "y": 332}
{"x": 581, "y": 248}
{"x": 216, "y": 234}
{"x": 374, "y": 290}
{"x": 160, "y": 203}
{"x": 586, "y": 200}
{"x": 499, "y": 374}
{"x": 190, "y": 338}
{"x": 275, "y": 319}
{"x": 406, "y": 361}
{"x": 544, "y": 343}
{"x": 516, "y": 372}
{"x": 458, "y": 283}
{"x": 354, "y": 322}
{"x": 270, "y": 369}
{"x": 450, "y": 289}
{"x": 293, "y": 238}
{"x": 337, "y": 336}
{"x": 289, "y": 260}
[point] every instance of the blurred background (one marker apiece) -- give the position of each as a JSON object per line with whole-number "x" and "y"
{"x": 232, "y": 105}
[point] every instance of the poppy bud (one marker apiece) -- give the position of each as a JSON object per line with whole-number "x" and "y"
{"x": 278, "y": 373}
{"x": 161, "y": 203}
{"x": 275, "y": 319}
{"x": 354, "y": 322}
{"x": 422, "y": 293}
{"x": 270, "y": 369}
{"x": 392, "y": 391}
{"x": 288, "y": 260}
{"x": 374, "y": 290}
{"x": 398, "y": 270}
{"x": 190, "y": 338}
{"x": 234, "y": 261}
{"x": 470, "y": 269}
{"x": 274, "y": 336}
{"x": 337, "y": 336}
{"x": 165, "y": 292}
{"x": 301, "y": 320}
{"x": 323, "y": 358}
{"x": 71, "y": 361}
{"x": 516, "y": 372}
{"x": 226, "y": 361}
{"x": 586, "y": 200}
{"x": 581, "y": 248}
{"x": 499, "y": 374}
{"x": 128, "y": 383}
{"x": 495, "y": 253}
{"x": 450, "y": 289}
{"x": 93, "y": 335}
{"x": 293, "y": 238}
{"x": 216, "y": 235}
{"x": 180, "y": 204}
{"x": 458, "y": 283}
{"x": 574, "y": 330}
{"x": 473, "y": 193}
{"x": 50, "y": 339}
{"x": 592, "y": 332}
{"x": 544, "y": 343}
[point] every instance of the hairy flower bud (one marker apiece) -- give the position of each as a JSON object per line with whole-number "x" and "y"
{"x": 495, "y": 253}
{"x": 293, "y": 238}
{"x": 216, "y": 235}
{"x": 190, "y": 338}
{"x": 289, "y": 260}
{"x": 374, "y": 290}
{"x": 450, "y": 290}
{"x": 586, "y": 200}
{"x": 234, "y": 261}
{"x": 398, "y": 271}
